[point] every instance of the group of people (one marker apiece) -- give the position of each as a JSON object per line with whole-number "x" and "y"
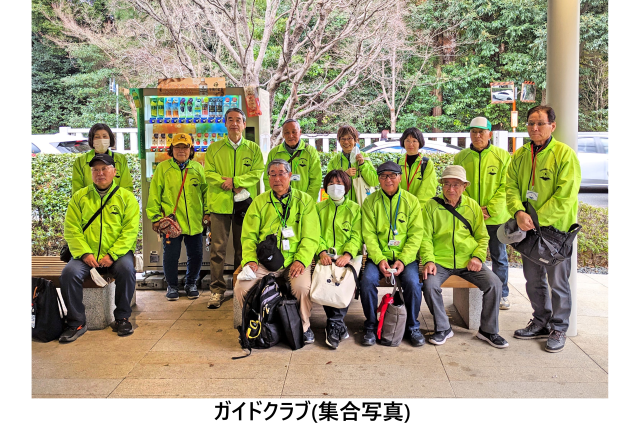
{"x": 401, "y": 227}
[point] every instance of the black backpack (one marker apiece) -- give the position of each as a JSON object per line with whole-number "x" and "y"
{"x": 47, "y": 322}
{"x": 423, "y": 164}
{"x": 260, "y": 327}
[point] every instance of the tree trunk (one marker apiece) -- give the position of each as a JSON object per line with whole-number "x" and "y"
{"x": 393, "y": 119}
{"x": 437, "y": 110}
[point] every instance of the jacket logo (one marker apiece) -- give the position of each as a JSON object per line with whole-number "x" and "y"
{"x": 492, "y": 170}
{"x": 545, "y": 174}
{"x": 346, "y": 226}
{"x": 114, "y": 210}
{"x": 194, "y": 181}
{"x": 246, "y": 161}
{"x": 297, "y": 217}
{"x": 303, "y": 162}
{"x": 402, "y": 218}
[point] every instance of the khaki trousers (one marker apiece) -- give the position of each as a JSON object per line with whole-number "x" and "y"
{"x": 300, "y": 288}
{"x": 220, "y": 225}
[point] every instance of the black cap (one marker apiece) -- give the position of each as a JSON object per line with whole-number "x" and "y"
{"x": 389, "y": 166}
{"x": 105, "y": 158}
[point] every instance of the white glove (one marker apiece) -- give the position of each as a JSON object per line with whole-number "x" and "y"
{"x": 97, "y": 278}
{"x": 241, "y": 196}
{"x": 246, "y": 274}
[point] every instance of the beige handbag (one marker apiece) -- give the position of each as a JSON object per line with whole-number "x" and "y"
{"x": 333, "y": 285}
{"x": 361, "y": 189}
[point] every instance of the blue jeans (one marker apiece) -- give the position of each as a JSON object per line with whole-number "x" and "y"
{"x": 411, "y": 286}
{"x": 499, "y": 259}
{"x": 171, "y": 254}
{"x": 77, "y": 271}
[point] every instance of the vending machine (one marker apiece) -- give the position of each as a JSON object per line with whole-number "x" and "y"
{"x": 195, "y": 107}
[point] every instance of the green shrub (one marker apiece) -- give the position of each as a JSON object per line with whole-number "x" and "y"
{"x": 51, "y": 191}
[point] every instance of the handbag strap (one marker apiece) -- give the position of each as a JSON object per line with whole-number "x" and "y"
{"x": 186, "y": 170}
{"x": 454, "y": 212}
{"x": 534, "y": 218}
{"x": 396, "y": 288}
{"x": 97, "y": 213}
{"x": 295, "y": 154}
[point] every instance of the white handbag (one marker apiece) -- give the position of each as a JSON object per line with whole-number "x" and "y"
{"x": 362, "y": 190}
{"x": 333, "y": 285}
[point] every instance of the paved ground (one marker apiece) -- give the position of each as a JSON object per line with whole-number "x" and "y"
{"x": 596, "y": 197}
{"x": 182, "y": 349}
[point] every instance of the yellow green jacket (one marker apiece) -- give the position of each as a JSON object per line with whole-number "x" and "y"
{"x": 422, "y": 186}
{"x": 487, "y": 175}
{"x": 163, "y": 193}
{"x": 376, "y": 226}
{"x": 244, "y": 165}
{"x": 113, "y": 232}
{"x": 262, "y": 219}
{"x": 306, "y": 164}
{"x": 367, "y": 171}
{"x": 557, "y": 182}
{"x": 340, "y": 227}
{"x": 447, "y": 241}
{"x": 81, "y": 175}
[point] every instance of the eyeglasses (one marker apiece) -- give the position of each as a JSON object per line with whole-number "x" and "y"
{"x": 101, "y": 170}
{"x": 279, "y": 175}
{"x": 349, "y": 139}
{"x": 453, "y": 185}
{"x": 388, "y": 176}
{"x": 539, "y": 124}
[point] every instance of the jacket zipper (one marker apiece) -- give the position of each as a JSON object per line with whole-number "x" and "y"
{"x": 233, "y": 208}
{"x": 453, "y": 242}
{"x": 100, "y": 243}
{"x": 334, "y": 227}
{"x": 186, "y": 209}
{"x": 479, "y": 166}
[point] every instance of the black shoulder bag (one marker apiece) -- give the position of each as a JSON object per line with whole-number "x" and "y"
{"x": 65, "y": 253}
{"x": 454, "y": 212}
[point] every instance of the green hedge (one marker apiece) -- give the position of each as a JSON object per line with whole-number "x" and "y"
{"x": 51, "y": 191}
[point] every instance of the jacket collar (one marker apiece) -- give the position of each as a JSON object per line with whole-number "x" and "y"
{"x": 95, "y": 190}
{"x": 488, "y": 148}
{"x": 228, "y": 141}
{"x": 175, "y": 165}
{"x": 281, "y": 147}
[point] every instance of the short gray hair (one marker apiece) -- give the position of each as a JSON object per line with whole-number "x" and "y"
{"x": 280, "y": 161}
{"x": 238, "y": 110}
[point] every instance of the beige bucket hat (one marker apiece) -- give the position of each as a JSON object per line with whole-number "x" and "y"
{"x": 454, "y": 172}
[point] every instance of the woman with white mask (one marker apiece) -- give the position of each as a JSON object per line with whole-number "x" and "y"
{"x": 102, "y": 140}
{"x": 340, "y": 241}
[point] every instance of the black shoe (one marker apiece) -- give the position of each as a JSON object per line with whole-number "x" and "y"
{"x": 344, "y": 333}
{"x": 439, "y": 337}
{"x": 369, "y": 338}
{"x": 333, "y": 336}
{"x": 72, "y": 333}
{"x": 308, "y": 336}
{"x": 555, "y": 342}
{"x": 494, "y": 340}
{"x": 123, "y": 327}
{"x": 416, "y": 337}
{"x": 532, "y": 331}
{"x": 192, "y": 291}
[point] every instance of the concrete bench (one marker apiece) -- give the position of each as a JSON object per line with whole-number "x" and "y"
{"x": 467, "y": 299}
{"x": 99, "y": 302}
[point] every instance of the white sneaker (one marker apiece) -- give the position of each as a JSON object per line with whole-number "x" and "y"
{"x": 215, "y": 300}
{"x": 504, "y": 303}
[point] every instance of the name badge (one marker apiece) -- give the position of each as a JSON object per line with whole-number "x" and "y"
{"x": 287, "y": 232}
{"x": 285, "y": 244}
{"x": 295, "y": 178}
{"x": 394, "y": 242}
{"x": 532, "y": 195}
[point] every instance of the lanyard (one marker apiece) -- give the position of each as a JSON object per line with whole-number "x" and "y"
{"x": 283, "y": 221}
{"x": 419, "y": 161}
{"x": 534, "y": 160}
{"x": 393, "y": 227}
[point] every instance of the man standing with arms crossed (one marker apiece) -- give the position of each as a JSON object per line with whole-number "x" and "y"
{"x": 486, "y": 166}
{"x": 232, "y": 164}
{"x": 546, "y": 174}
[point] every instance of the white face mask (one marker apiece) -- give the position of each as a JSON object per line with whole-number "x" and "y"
{"x": 101, "y": 145}
{"x": 336, "y": 192}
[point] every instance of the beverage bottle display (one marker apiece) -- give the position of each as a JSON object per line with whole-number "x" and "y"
{"x": 197, "y": 108}
{"x": 136, "y": 98}
{"x": 205, "y": 107}
{"x": 219, "y": 108}
{"x": 161, "y": 107}
{"x": 176, "y": 102}
{"x": 182, "y": 112}
{"x": 212, "y": 107}
{"x": 154, "y": 106}
{"x": 234, "y": 102}
{"x": 189, "y": 109}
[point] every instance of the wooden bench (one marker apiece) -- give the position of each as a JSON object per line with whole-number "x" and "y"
{"x": 467, "y": 298}
{"x": 99, "y": 302}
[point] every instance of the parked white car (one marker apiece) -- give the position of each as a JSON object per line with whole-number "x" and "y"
{"x": 429, "y": 147}
{"x": 58, "y": 143}
{"x": 593, "y": 153}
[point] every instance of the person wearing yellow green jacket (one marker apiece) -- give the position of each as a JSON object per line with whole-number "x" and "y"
{"x": 486, "y": 166}
{"x": 546, "y": 174}
{"x": 106, "y": 244}
{"x": 232, "y": 168}
{"x": 100, "y": 138}
{"x": 392, "y": 233}
{"x": 168, "y": 193}
{"x": 418, "y": 172}
{"x": 457, "y": 245}
{"x": 304, "y": 159}
{"x": 352, "y": 161}
{"x": 340, "y": 242}
{"x": 291, "y": 216}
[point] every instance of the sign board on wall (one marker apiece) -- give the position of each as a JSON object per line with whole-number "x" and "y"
{"x": 211, "y": 86}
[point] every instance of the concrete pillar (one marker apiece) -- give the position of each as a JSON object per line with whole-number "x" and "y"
{"x": 563, "y": 58}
